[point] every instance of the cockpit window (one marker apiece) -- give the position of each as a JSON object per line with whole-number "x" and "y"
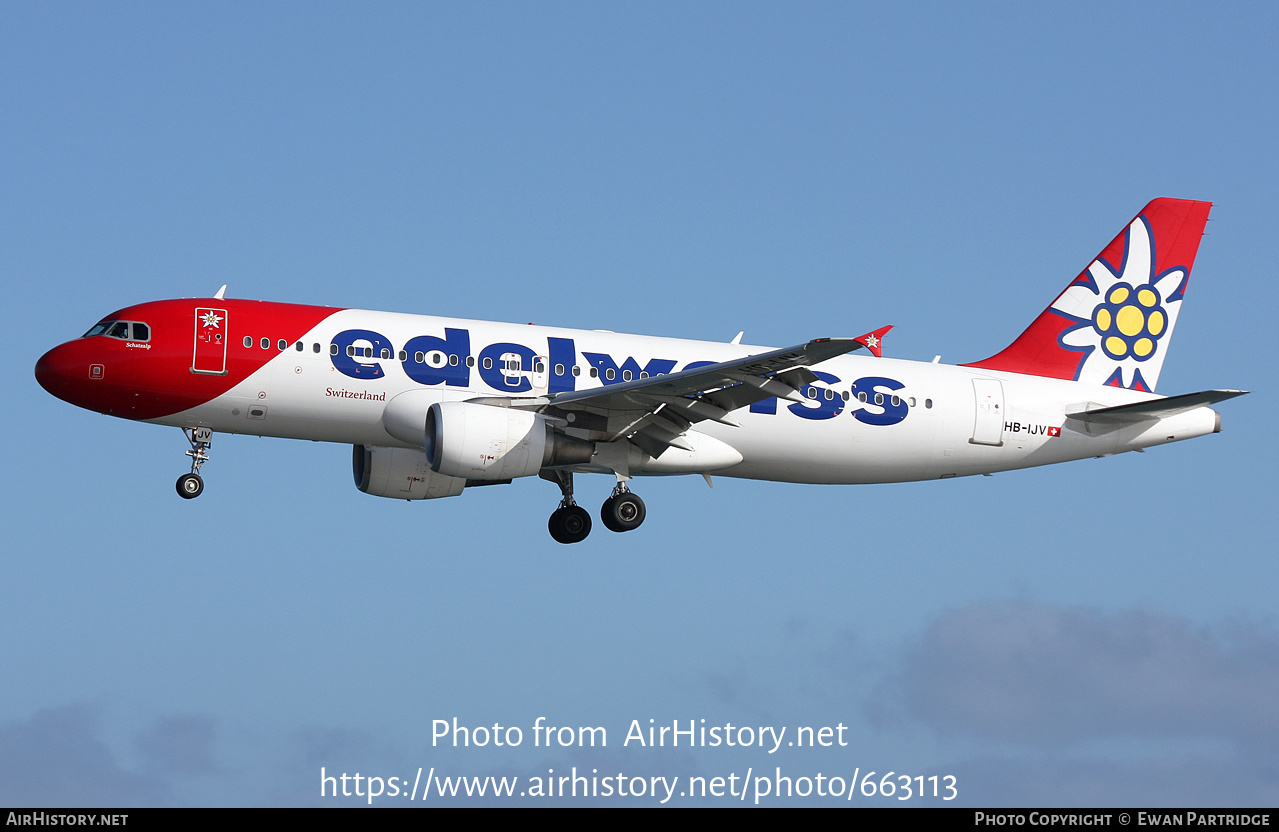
{"x": 123, "y": 330}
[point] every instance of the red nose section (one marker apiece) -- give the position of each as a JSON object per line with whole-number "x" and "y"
{"x": 121, "y": 378}
{"x": 194, "y": 351}
{"x": 110, "y": 376}
{"x": 71, "y": 373}
{"x": 93, "y": 374}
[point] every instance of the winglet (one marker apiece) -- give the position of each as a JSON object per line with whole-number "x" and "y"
{"x": 874, "y": 341}
{"x": 221, "y": 292}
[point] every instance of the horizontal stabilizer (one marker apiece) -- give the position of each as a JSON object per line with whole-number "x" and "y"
{"x": 1126, "y": 414}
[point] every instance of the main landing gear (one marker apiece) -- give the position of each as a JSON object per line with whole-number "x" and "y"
{"x": 191, "y": 485}
{"x": 570, "y": 523}
{"x": 623, "y": 511}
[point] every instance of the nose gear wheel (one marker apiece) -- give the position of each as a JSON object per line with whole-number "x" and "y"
{"x": 191, "y": 485}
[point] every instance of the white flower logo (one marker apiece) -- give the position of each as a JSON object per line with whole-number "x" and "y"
{"x": 210, "y": 319}
{"x": 1122, "y": 317}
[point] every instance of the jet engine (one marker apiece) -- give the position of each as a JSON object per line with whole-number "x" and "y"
{"x": 482, "y": 442}
{"x": 400, "y": 473}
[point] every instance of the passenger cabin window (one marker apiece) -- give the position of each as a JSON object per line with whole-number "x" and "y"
{"x": 248, "y": 341}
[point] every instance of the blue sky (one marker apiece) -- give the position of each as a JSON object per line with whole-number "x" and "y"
{"x": 1102, "y": 632}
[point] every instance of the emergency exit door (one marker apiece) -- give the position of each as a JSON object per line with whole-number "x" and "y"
{"x": 988, "y": 424}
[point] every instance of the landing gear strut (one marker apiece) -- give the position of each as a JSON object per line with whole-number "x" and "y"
{"x": 570, "y": 523}
{"x": 191, "y": 485}
{"x": 623, "y": 511}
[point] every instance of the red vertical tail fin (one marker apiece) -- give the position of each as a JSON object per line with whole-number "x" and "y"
{"x": 1113, "y": 323}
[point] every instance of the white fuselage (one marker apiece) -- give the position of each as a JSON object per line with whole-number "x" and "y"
{"x": 867, "y": 420}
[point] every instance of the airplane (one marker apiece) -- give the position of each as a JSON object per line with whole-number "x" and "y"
{"x": 432, "y": 406}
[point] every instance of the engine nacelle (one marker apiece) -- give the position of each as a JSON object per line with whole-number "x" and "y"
{"x": 400, "y": 473}
{"x": 482, "y": 442}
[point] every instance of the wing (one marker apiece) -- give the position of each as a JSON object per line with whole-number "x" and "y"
{"x": 654, "y": 412}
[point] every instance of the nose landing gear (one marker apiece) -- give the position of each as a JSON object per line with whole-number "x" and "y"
{"x": 191, "y": 485}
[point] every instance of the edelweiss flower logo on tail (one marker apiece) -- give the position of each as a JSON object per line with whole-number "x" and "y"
{"x": 1123, "y": 318}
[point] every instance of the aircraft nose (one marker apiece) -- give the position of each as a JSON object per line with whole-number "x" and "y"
{"x": 50, "y": 369}
{"x": 64, "y": 371}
